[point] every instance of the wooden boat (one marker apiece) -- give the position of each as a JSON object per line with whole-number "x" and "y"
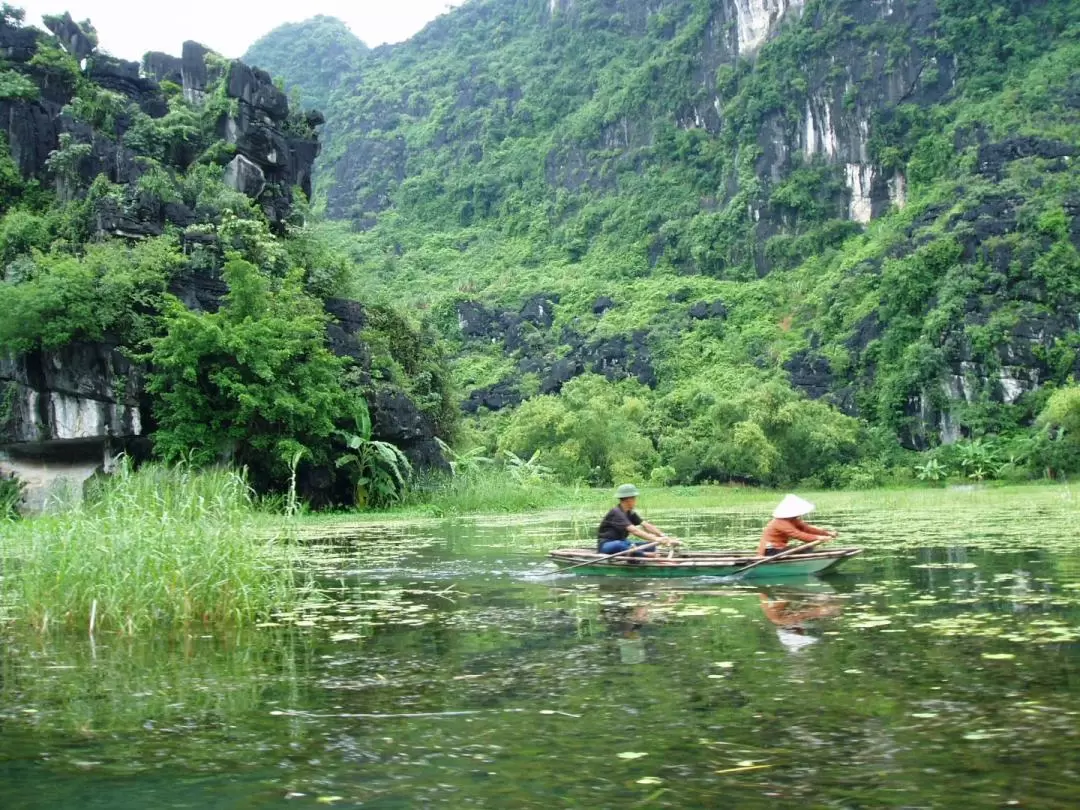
{"x": 702, "y": 564}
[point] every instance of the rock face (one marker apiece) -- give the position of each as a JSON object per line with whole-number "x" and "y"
{"x": 63, "y": 415}
{"x": 554, "y": 356}
{"x": 245, "y": 176}
{"x": 76, "y": 40}
{"x": 267, "y": 135}
{"x": 81, "y": 392}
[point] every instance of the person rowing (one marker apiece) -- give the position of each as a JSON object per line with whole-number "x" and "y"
{"x": 613, "y": 535}
{"x": 787, "y": 525}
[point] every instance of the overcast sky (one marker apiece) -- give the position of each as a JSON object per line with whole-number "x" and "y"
{"x": 130, "y": 28}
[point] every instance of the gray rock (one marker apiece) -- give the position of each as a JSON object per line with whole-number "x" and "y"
{"x": 245, "y": 176}
{"x": 704, "y": 310}
{"x": 163, "y": 67}
{"x": 76, "y": 41}
{"x": 122, "y": 76}
{"x": 256, "y": 88}
{"x": 18, "y": 44}
{"x": 603, "y": 304}
{"x": 194, "y": 72}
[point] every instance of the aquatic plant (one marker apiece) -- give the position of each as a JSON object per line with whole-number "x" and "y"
{"x": 163, "y": 546}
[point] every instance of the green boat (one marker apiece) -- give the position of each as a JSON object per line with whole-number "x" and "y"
{"x": 702, "y": 564}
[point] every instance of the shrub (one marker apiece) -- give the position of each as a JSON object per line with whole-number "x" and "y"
{"x": 113, "y": 289}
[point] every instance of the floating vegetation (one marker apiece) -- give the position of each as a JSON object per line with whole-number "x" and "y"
{"x": 1004, "y": 627}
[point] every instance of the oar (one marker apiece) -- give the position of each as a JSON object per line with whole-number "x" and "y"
{"x": 613, "y": 556}
{"x": 780, "y": 556}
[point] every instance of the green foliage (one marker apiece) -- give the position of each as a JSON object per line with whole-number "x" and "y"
{"x": 56, "y": 67}
{"x": 12, "y": 15}
{"x": 311, "y": 58}
{"x": 252, "y": 383}
{"x": 22, "y": 232}
{"x": 592, "y": 432}
{"x": 113, "y": 290}
{"x": 1062, "y": 413}
{"x": 381, "y": 471}
{"x": 411, "y": 357}
{"x": 11, "y": 497}
{"x": 15, "y": 86}
{"x": 65, "y": 164}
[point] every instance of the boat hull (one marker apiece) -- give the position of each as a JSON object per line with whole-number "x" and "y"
{"x": 704, "y": 564}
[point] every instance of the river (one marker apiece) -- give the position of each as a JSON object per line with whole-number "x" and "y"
{"x": 446, "y": 665}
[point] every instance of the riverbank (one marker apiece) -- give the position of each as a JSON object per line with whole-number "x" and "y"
{"x": 507, "y": 500}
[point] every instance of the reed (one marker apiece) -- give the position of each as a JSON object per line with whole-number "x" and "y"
{"x": 161, "y": 546}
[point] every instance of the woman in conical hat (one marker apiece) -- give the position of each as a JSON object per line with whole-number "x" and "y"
{"x": 787, "y": 524}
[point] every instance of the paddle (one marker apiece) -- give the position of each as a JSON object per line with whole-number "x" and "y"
{"x": 779, "y": 556}
{"x": 630, "y": 550}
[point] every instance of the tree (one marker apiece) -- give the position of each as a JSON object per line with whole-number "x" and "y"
{"x": 253, "y": 383}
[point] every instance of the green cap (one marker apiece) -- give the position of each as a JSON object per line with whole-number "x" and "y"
{"x": 626, "y": 491}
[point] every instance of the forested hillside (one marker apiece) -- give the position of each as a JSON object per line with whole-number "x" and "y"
{"x": 716, "y": 239}
{"x": 162, "y": 291}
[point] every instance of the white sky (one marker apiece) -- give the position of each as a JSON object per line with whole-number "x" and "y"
{"x": 130, "y": 28}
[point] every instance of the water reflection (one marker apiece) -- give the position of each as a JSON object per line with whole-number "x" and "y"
{"x": 625, "y": 618}
{"x": 796, "y": 614}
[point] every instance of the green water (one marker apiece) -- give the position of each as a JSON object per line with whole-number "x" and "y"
{"x": 452, "y": 669}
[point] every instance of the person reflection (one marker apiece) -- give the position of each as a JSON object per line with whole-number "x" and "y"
{"x": 626, "y": 620}
{"x": 794, "y": 614}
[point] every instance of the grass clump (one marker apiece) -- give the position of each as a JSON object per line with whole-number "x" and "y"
{"x": 161, "y": 546}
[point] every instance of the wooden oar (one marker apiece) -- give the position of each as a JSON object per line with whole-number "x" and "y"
{"x": 779, "y": 556}
{"x": 613, "y": 556}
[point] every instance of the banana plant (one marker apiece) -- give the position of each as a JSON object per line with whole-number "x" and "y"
{"x": 466, "y": 462}
{"x": 382, "y": 471}
{"x": 527, "y": 471}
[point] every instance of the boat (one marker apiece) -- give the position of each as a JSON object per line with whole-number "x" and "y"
{"x": 702, "y": 564}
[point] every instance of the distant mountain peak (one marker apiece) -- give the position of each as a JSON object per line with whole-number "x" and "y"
{"x": 310, "y": 57}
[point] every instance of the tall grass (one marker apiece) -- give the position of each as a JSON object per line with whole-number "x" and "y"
{"x": 492, "y": 491}
{"x": 486, "y": 491}
{"x": 163, "y": 546}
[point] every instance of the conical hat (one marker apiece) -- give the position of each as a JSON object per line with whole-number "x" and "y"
{"x": 793, "y": 641}
{"x": 792, "y": 507}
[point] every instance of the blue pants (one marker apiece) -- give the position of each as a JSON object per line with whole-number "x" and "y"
{"x": 615, "y": 546}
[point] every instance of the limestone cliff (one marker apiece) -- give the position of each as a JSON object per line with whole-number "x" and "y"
{"x": 71, "y": 121}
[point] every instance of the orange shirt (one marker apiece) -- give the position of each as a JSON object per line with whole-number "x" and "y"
{"x": 780, "y": 530}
